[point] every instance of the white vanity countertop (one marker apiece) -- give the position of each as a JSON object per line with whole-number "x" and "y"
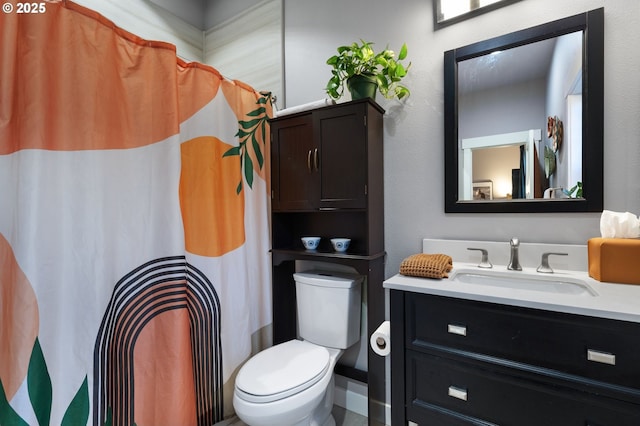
{"x": 614, "y": 301}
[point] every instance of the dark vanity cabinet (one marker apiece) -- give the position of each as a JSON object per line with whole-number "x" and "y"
{"x": 327, "y": 181}
{"x": 459, "y": 362}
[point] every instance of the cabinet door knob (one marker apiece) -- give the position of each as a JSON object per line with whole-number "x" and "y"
{"x": 458, "y": 393}
{"x": 309, "y": 161}
{"x": 601, "y": 357}
{"x": 460, "y": 330}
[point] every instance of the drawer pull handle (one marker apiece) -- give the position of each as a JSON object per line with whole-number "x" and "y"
{"x": 458, "y": 393}
{"x": 602, "y": 357}
{"x": 460, "y": 330}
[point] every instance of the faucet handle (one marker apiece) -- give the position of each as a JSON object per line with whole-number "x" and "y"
{"x": 544, "y": 264}
{"x": 484, "y": 263}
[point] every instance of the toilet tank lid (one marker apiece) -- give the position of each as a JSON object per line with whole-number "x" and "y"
{"x": 327, "y": 279}
{"x": 282, "y": 370}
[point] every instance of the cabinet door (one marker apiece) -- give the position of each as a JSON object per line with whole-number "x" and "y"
{"x": 342, "y": 140}
{"x": 293, "y": 161}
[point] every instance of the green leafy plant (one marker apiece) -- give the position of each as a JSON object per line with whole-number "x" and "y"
{"x": 361, "y": 59}
{"x": 577, "y": 188}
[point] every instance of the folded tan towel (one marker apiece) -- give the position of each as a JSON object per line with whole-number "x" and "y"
{"x": 427, "y": 265}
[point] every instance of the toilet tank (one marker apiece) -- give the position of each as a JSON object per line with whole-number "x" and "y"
{"x": 328, "y": 306}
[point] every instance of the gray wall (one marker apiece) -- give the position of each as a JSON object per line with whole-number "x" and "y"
{"x": 217, "y": 11}
{"x": 204, "y": 14}
{"x": 492, "y": 112}
{"x": 414, "y": 206}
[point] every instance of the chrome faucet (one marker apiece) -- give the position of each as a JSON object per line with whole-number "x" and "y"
{"x": 484, "y": 263}
{"x": 514, "y": 262}
{"x": 544, "y": 263}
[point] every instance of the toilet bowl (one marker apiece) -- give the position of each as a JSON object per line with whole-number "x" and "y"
{"x": 291, "y": 384}
{"x": 287, "y": 384}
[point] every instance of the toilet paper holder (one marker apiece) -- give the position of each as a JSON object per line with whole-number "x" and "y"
{"x": 380, "y": 340}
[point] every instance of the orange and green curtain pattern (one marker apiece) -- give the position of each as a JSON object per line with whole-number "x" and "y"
{"x": 134, "y": 230}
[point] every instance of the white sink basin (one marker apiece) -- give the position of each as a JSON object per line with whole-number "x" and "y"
{"x": 519, "y": 280}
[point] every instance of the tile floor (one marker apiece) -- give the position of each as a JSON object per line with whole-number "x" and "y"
{"x": 347, "y": 418}
{"x": 343, "y": 418}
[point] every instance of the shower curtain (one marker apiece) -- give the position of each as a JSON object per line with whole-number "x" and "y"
{"x": 134, "y": 234}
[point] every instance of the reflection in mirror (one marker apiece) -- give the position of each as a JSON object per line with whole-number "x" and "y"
{"x": 528, "y": 91}
{"x": 515, "y": 116}
{"x": 506, "y": 160}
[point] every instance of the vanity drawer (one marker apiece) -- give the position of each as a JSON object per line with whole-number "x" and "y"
{"x": 599, "y": 349}
{"x": 452, "y": 392}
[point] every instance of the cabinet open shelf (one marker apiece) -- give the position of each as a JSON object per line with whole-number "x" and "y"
{"x": 302, "y": 254}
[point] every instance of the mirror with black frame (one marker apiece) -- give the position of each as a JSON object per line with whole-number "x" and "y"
{"x": 524, "y": 120}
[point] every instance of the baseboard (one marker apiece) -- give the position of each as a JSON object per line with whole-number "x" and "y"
{"x": 352, "y": 395}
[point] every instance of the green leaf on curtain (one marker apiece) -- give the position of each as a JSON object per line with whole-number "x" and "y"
{"x": 257, "y": 112}
{"x": 39, "y": 385}
{"x": 256, "y": 129}
{"x": 242, "y": 134}
{"x": 109, "y": 414}
{"x": 249, "y": 124}
{"x": 232, "y": 151}
{"x": 78, "y": 411}
{"x": 257, "y": 151}
{"x": 8, "y": 416}
{"x": 248, "y": 170}
{"x": 264, "y": 129}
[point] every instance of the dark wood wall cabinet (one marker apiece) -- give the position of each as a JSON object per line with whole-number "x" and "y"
{"x": 463, "y": 362}
{"x": 327, "y": 181}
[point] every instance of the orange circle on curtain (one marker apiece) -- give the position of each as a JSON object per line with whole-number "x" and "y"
{"x": 20, "y": 310}
{"x": 212, "y": 211}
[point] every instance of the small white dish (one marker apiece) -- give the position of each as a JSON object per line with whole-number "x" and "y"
{"x": 310, "y": 243}
{"x": 340, "y": 244}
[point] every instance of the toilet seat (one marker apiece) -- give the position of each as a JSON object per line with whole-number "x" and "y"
{"x": 281, "y": 371}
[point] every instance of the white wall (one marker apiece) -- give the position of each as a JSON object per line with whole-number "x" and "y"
{"x": 414, "y": 155}
{"x": 248, "y": 47}
{"x": 151, "y": 22}
{"x": 187, "y": 10}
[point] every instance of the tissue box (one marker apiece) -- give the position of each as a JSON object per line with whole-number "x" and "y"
{"x": 614, "y": 260}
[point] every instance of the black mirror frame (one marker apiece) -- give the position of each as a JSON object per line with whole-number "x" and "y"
{"x": 592, "y": 23}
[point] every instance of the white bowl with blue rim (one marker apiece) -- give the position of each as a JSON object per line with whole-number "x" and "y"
{"x": 340, "y": 244}
{"x": 310, "y": 243}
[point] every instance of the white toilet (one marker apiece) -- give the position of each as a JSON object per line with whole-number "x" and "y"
{"x": 292, "y": 383}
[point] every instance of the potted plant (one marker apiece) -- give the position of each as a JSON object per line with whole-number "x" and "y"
{"x": 357, "y": 65}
